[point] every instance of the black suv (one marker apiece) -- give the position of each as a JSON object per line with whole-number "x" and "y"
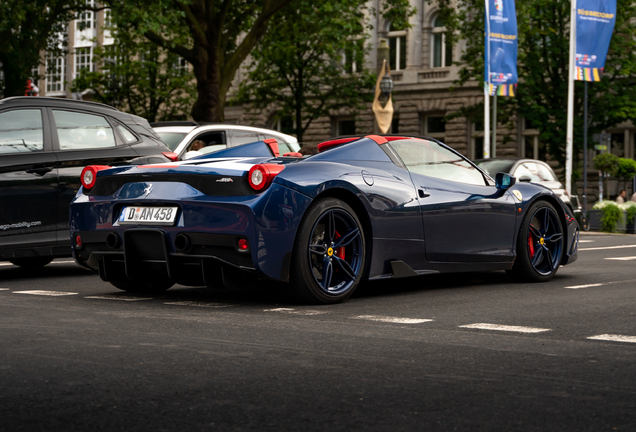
{"x": 44, "y": 145}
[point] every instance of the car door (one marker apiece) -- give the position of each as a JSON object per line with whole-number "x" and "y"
{"x": 82, "y": 138}
{"x": 28, "y": 180}
{"x": 465, "y": 218}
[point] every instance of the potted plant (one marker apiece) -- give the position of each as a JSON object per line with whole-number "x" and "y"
{"x": 608, "y": 216}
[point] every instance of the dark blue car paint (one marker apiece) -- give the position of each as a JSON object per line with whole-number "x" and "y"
{"x": 458, "y": 227}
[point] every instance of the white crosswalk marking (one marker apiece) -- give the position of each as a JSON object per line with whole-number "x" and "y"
{"x": 394, "y": 320}
{"x": 614, "y": 338}
{"x": 508, "y": 328}
{"x": 293, "y": 311}
{"x": 45, "y": 293}
{"x": 118, "y": 297}
{"x": 599, "y": 284}
{"x": 199, "y": 304}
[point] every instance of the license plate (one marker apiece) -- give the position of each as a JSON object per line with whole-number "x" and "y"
{"x": 148, "y": 215}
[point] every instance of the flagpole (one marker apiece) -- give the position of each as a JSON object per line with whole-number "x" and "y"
{"x": 570, "y": 118}
{"x": 487, "y": 88}
{"x": 494, "y": 126}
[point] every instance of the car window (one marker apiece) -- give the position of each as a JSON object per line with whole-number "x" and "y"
{"x": 528, "y": 169}
{"x": 129, "y": 137}
{"x": 545, "y": 173}
{"x": 206, "y": 139}
{"x": 21, "y": 131}
{"x": 431, "y": 159}
{"x": 171, "y": 139}
{"x": 243, "y": 137}
{"x": 493, "y": 167}
{"x": 78, "y": 131}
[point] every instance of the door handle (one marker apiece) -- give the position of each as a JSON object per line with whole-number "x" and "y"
{"x": 39, "y": 170}
{"x": 422, "y": 193}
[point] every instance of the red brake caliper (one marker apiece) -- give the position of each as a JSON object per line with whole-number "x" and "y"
{"x": 531, "y": 245}
{"x": 341, "y": 251}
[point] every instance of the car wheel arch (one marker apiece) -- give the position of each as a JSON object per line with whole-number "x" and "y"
{"x": 359, "y": 208}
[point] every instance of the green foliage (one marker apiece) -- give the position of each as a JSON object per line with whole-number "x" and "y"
{"x": 612, "y": 214}
{"x": 140, "y": 77}
{"x": 626, "y": 169}
{"x": 26, "y": 28}
{"x": 607, "y": 163}
{"x": 543, "y": 28}
{"x": 631, "y": 214}
{"x": 215, "y": 37}
{"x": 298, "y": 66}
{"x": 397, "y": 12}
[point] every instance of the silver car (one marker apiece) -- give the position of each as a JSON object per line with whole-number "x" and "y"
{"x": 527, "y": 170}
{"x": 190, "y": 139}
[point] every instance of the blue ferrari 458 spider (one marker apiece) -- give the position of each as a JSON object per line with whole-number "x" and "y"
{"x": 362, "y": 208}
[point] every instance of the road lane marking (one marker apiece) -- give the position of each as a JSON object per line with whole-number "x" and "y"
{"x": 293, "y": 311}
{"x": 52, "y": 262}
{"x": 607, "y": 247}
{"x": 45, "y": 293}
{"x": 614, "y": 338}
{"x": 6, "y": 264}
{"x": 118, "y": 297}
{"x": 199, "y": 304}
{"x": 518, "y": 329}
{"x": 394, "y": 320}
{"x": 599, "y": 284}
{"x": 623, "y": 258}
{"x": 586, "y": 241}
{"x": 4, "y": 289}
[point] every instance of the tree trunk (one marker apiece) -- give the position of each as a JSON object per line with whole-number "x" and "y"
{"x": 208, "y": 107}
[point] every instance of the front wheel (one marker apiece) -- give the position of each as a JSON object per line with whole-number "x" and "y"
{"x": 539, "y": 244}
{"x": 329, "y": 253}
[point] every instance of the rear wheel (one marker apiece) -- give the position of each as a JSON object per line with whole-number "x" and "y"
{"x": 539, "y": 244}
{"x": 146, "y": 287}
{"x": 329, "y": 253}
{"x": 31, "y": 263}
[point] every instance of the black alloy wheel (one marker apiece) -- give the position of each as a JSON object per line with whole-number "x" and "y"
{"x": 540, "y": 243}
{"x": 329, "y": 253}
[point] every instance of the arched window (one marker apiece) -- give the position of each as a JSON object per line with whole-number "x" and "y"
{"x": 397, "y": 49}
{"x": 442, "y": 52}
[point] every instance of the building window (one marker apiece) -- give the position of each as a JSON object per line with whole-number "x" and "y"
{"x": 87, "y": 19}
{"x": 179, "y": 65}
{"x": 395, "y": 125}
{"x": 442, "y": 52}
{"x": 397, "y": 49}
{"x": 55, "y": 69}
{"x": 84, "y": 60}
{"x": 434, "y": 126}
{"x": 345, "y": 126}
{"x": 477, "y": 139}
{"x": 532, "y": 148}
{"x": 284, "y": 124}
{"x": 353, "y": 56}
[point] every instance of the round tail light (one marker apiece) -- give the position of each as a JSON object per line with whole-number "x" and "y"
{"x": 261, "y": 176}
{"x": 89, "y": 175}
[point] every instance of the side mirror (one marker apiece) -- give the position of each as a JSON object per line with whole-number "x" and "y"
{"x": 504, "y": 180}
{"x": 525, "y": 179}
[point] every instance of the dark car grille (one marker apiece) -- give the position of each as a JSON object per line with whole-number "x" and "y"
{"x": 209, "y": 184}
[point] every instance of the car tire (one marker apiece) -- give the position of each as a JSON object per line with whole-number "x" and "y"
{"x": 329, "y": 253}
{"x": 147, "y": 287}
{"x": 540, "y": 244}
{"x": 31, "y": 263}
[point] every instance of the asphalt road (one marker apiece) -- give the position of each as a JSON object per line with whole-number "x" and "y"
{"x": 438, "y": 353}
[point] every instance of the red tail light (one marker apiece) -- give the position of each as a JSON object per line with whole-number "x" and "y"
{"x": 171, "y": 155}
{"x": 261, "y": 176}
{"x": 89, "y": 174}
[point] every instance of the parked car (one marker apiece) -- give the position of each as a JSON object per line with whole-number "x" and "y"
{"x": 44, "y": 145}
{"x": 527, "y": 170}
{"x": 367, "y": 207}
{"x": 181, "y": 137}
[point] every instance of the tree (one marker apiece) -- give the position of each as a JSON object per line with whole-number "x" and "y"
{"x": 140, "y": 77}
{"x": 312, "y": 62}
{"x": 543, "y": 29}
{"x": 214, "y": 36}
{"x": 26, "y": 28}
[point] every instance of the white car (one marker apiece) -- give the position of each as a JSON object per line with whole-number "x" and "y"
{"x": 180, "y": 136}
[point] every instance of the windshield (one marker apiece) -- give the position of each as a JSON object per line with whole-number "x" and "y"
{"x": 492, "y": 167}
{"x": 172, "y": 139}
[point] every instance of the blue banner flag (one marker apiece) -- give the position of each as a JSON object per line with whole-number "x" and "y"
{"x": 595, "y": 21}
{"x": 501, "y": 47}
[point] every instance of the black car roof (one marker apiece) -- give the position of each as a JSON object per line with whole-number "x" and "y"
{"x": 53, "y": 102}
